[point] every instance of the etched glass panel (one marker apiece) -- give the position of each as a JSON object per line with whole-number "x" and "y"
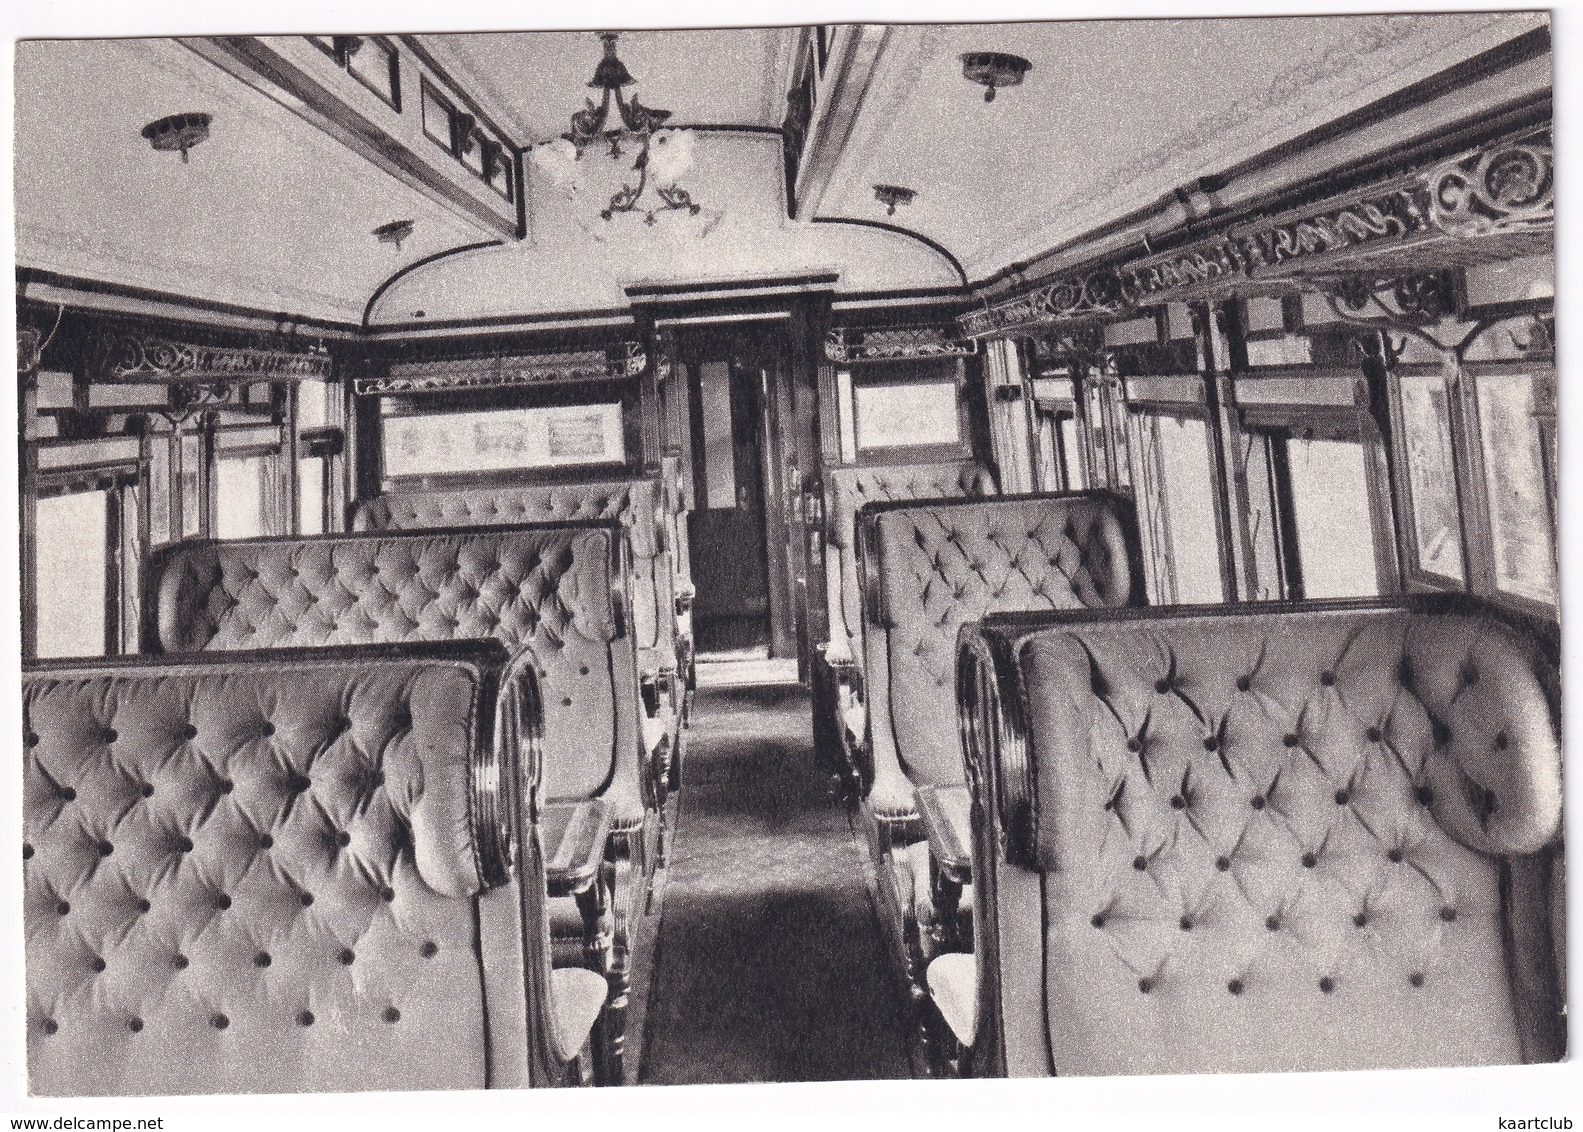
{"x": 497, "y": 440}
{"x": 911, "y": 415}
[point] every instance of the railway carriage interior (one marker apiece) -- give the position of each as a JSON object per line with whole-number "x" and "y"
{"x": 820, "y": 553}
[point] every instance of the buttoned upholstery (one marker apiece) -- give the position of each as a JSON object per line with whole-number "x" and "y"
{"x": 550, "y": 592}
{"x": 265, "y": 872}
{"x": 1263, "y": 839}
{"x": 544, "y": 590}
{"x": 928, "y": 568}
{"x": 847, "y": 491}
{"x": 634, "y": 504}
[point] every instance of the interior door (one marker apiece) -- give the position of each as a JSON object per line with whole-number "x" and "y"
{"x": 729, "y": 565}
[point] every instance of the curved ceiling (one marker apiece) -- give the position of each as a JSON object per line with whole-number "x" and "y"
{"x": 574, "y": 261}
{"x": 274, "y": 214}
{"x": 534, "y": 80}
{"x": 269, "y": 213}
{"x": 1115, "y": 114}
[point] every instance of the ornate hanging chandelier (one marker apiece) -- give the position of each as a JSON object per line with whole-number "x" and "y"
{"x": 663, "y": 156}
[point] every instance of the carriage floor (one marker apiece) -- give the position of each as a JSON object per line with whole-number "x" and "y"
{"x": 770, "y": 965}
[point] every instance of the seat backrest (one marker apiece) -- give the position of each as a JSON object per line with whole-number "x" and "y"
{"x": 552, "y": 591}
{"x": 265, "y": 872}
{"x": 930, "y": 567}
{"x": 849, "y": 490}
{"x": 633, "y": 503}
{"x": 1263, "y": 838}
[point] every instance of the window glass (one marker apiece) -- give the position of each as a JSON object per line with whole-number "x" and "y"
{"x": 1335, "y": 532}
{"x": 714, "y": 404}
{"x": 1184, "y": 505}
{"x": 843, "y": 384}
{"x": 310, "y": 495}
{"x": 71, "y": 564}
{"x": 240, "y": 510}
{"x": 495, "y": 440}
{"x": 159, "y": 491}
{"x": 1431, "y": 476}
{"x": 190, "y": 450}
{"x": 1263, "y": 517}
{"x": 1071, "y": 450}
{"x": 911, "y": 415}
{"x": 1514, "y": 478}
{"x": 313, "y": 404}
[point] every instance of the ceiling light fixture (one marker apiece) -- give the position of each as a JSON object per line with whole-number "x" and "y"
{"x": 994, "y": 69}
{"x": 178, "y": 131}
{"x": 663, "y": 157}
{"x": 892, "y": 195}
{"x": 394, "y": 232}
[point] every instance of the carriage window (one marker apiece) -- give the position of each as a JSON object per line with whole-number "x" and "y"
{"x": 1177, "y": 509}
{"x": 914, "y": 414}
{"x": 1333, "y": 519}
{"x": 1060, "y": 461}
{"x": 245, "y": 487}
{"x": 1072, "y": 453}
{"x": 843, "y": 386}
{"x": 310, "y": 496}
{"x": 190, "y": 450}
{"x": 1431, "y": 475}
{"x": 1260, "y": 452}
{"x": 503, "y": 439}
{"x": 1517, "y": 486}
{"x": 71, "y": 573}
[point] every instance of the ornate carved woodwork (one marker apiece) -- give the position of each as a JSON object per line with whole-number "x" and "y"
{"x": 621, "y": 363}
{"x": 1416, "y": 223}
{"x": 145, "y": 357}
{"x": 844, "y": 345}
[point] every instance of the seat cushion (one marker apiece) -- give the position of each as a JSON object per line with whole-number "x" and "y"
{"x": 936, "y": 567}
{"x": 848, "y": 490}
{"x": 253, "y": 877}
{"x": 543, "y": 590}
{"x": 1267, "y": 838}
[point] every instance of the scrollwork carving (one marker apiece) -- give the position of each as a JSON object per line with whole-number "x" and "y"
{"x": 622, "y": 363}
{"x": 1509, "y": 187}
{"x": 136, "y": 357}
{"x": 1504, "y": 187}
{"x": 844, "y": 346}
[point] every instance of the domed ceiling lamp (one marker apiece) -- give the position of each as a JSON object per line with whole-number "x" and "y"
{"x": 892, "y": 195}
{"x": 994, "y": 69}
{"x": 663, "y": 156}
{"x": 394, "y": 232}
{"x": 178, "y": 131}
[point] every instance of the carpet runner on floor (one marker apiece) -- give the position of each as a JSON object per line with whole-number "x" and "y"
{"x": 770, "y": 964}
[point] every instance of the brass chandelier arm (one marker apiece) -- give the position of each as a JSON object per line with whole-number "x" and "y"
{"x": 638, "y": 125}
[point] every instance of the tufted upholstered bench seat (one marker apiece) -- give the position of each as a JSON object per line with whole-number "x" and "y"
{"x": 927, "y": 568}
{"x": 838, "y": 677}
{"x": 1259, "y": 838}
{"x": 555, "y": 592}
{"x": 288, "y": 872}
{"x": 639, "y": 506}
